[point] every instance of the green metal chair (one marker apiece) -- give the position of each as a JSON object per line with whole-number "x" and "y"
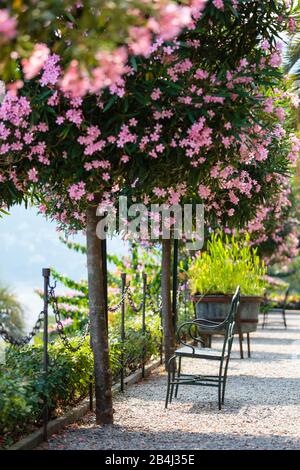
{"x": 281, "y": 310}
{"x": 176, "y": 378}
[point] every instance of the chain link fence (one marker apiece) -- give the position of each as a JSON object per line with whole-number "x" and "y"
{"x": 127, "y": 360}
{"x": 59, "y": 324}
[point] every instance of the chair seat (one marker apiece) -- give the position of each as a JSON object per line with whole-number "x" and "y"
{"x": 201, "y": 353}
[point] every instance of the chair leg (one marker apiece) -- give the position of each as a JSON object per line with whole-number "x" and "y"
{"x": 168, "y": 389}
{"x": 220, "y": 385}
{"x": 248, "y": 344}
{"x": 170, "y": 375}
{"x": 284, "y": 318}
{"x": 172, "y": 386}
{"x": 241, "y": 345}
{"x": 265, "y": 318}
{"x": 220, "y": 395}
{"x": 225, "y": 380}
{"x": 178, "y": 375}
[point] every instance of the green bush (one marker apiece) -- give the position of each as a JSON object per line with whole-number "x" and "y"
{"x": 19, "y": 401}
{"x": 22, "y": 384}
{"x": 137, "y": 347}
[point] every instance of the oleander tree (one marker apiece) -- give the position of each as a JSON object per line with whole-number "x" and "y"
{"x": 275, "y": 230}
{"x": 199, "y": 120}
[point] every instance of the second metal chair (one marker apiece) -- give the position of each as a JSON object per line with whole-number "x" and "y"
{"x": 177, "y": 379}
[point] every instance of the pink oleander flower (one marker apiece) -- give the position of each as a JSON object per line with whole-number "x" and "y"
{"x": 172, "y": 19}
{"x": 33, "y": 65}
{"x": 275, "y": 59}
{"x": 125, "y": 159}
{"x": 15, "y": 110}
{"x": 133, "y": 122}
{"x": 219, "y": 4}
{"x": 233, "y": 198}
{"x": 112, "y": 66}
{"x": 268, "y": 105}
{"x": 159, "y": 192}
{"x": 140, "y": 41}
{"x": 14, "y": 87}
{"x": 75, "y": 116}
{"x": 155, "y": 95}
{"x": 226, "y": 141}
{"x": 33, "y": 175}
{"x": 280, "y": 113}
{"x": 77, "y": 191}
{"x": 94, "y": 147}
{"x": 51, "y": 71}
{"x": 125, "y": 136}
{"x": 54, "y": 99}
{"x": 74, "y": 81}
{"x": 4, "y": 131}
{"x": 42, "y": 127}
{"x": 265, "y": 45}
{"x": 197, "y": 7}
{"x": 204, "y": 191}
{"x": 106, "y": 176}
{"x": 60, "y": 120}
{"x": 42, "y": 208}
{"x": 8, "y": 27}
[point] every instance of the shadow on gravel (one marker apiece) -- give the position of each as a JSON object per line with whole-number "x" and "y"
{"x": 259, "y": 356}
{"x": 242, "y": 391}
{"x": 121, "y": 438}
{"x": 259, "y": 339}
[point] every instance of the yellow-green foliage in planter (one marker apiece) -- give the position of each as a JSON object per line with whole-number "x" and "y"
{"x": 228, "y": 261}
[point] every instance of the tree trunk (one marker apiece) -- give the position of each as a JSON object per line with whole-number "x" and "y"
{"x": 167, "y": 314}
{"x": 98, "y": 321}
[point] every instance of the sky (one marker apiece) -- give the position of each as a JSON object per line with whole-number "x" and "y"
{"x": 29, "y": 243}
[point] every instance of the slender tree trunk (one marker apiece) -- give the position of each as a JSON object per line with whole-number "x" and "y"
{"x": 98, "y": 317}
{"x": 167, "y": 314}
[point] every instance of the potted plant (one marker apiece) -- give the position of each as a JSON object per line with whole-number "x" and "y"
{"x": 215, "y": 273}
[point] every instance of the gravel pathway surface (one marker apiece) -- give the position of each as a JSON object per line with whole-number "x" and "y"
{"x": 262, "y": 406}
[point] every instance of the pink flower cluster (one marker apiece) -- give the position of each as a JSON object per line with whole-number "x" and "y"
{"x": 51, "y": 70}
{"x": 226, "y": 154}
{"x": 166, "y": 22}
{"x": 8, "y": 27}
{"x": 77, "y": 191}
{"x": 34, "y": 64}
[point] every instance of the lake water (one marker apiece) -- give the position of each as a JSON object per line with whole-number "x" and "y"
{"x": 29, "y": 243}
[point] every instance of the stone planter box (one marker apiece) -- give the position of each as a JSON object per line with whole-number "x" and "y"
{"x": 216, "y": 308}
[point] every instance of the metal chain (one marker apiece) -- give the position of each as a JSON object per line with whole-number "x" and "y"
{"x": 119, "y": 305}
{"x": 25, "y": 339}
{"x": 60, "y": 327}
{"x": 155, "y": 310}
{"x": 131, "y": 301}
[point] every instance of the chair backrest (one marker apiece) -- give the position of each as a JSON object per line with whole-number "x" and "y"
{"x": 230, "y": 320}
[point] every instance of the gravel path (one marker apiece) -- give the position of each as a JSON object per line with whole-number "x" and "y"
{"x": 262, "y": 406}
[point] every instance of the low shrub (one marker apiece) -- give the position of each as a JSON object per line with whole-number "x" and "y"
{"x": 22, "y": 383}
{"x": 23, "y": 388}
